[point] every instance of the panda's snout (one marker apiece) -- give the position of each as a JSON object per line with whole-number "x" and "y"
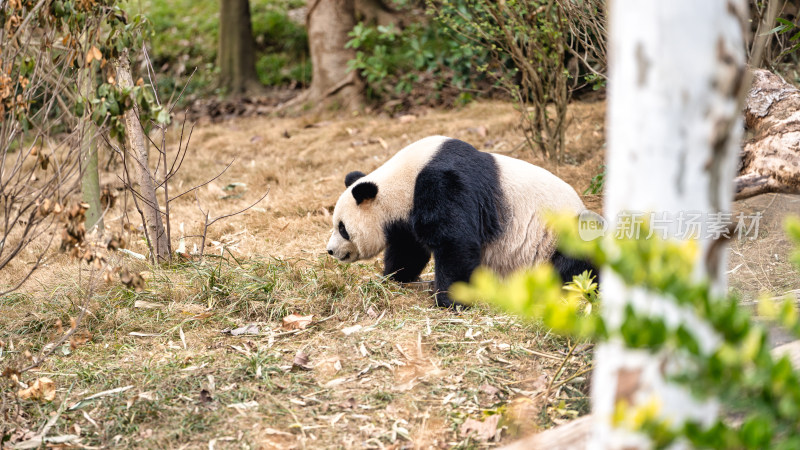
{"x": 339, "y": 256}
{"x": 341, "y": 249}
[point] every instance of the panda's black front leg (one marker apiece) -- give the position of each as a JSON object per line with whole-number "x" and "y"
{"x": 454, "y": 262}
{"x": 405, "y": 257}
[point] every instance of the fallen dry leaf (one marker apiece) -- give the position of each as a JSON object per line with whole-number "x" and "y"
{"x": 245, "y": 405}
{"x": 328, "y": 365}
{"x": 300, "y": 361}
{"x": 350, "y": 330}
{"x": 295, "y": 322}
{"x": 276, "y": 432}
{"x": 79, "y": 339}
{"x": 335, "y": 382}
{"x": 182, "y": 336}
{"x": 83, "y": 402}
{"x": 147, "y": 305}
{"x": 250, "y": 329}
{"x": 139, "y": 334}
{"x": 489, "y": 390}
{"x": 202, "y": 316}
{"x": 383, "y": 144}
{"x": 483, "y": 431}
{"x": 42, "y": 389}
{"x": 479, "y": 130}
{"x": 521, "y": 415}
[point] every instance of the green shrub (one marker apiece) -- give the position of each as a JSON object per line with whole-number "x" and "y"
{"x": 421, "y": 58}
{"x": 597, "y": 182}
{"x": 527, "y": 44}
{"x": 275, "y": 33}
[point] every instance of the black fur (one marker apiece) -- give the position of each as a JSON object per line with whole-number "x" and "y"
{"x": 352, "y": 177}
{"x": 364, "y": 191}
{"x": 568, "y": 267}
{"x": 405, "y": 256}
{"x": 343, "y": 231}
{"x": 458, "y": 206}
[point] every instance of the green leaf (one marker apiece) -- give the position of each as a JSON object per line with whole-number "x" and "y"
{"x": 162, "y": 117}
{"x": 80, "y": 107}
{"x": 756, "y": 432}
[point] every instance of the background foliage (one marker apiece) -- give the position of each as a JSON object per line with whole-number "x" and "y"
{"x": 185, "y": 35}
{"x": 423, "y": 59}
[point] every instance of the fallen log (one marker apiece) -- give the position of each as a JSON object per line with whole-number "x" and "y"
{"x": 571, "y": 435}
{"x": 770, "y": 158}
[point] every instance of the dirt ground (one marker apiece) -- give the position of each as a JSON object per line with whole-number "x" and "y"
{"x": 377, "y": 366}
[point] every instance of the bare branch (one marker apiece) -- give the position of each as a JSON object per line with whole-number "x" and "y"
{"x": 204, "y": 183}
{"x": 207, "y": 223}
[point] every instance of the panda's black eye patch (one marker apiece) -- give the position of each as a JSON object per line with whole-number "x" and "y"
{"x": 343, "y": 231}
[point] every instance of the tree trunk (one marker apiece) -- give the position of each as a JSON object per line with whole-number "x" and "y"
{"x": 375, "y": 12}
{"x": 237, "y": 51}
{"x": 771, "y": 158}
{"x": 90, "y": 178}
{"x": 328, "y": 23}
{"x": 136, "y": 150}
{"x": 674, "y": 131}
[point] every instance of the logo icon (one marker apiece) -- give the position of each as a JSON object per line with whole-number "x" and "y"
{"x": 591, "y": 225}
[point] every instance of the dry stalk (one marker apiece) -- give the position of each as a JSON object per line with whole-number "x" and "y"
{"x": 207, "y": 222}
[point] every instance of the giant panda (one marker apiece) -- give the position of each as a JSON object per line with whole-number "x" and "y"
{"x": 468, "y": 208}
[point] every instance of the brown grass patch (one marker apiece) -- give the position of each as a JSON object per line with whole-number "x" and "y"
{"x": 409, "y": 377}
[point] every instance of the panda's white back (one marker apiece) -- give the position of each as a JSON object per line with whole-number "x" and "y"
{"x": 529, "y": 193}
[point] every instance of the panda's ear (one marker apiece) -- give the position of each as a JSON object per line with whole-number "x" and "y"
{"x": 365, "y": 191}
{"x": 352, "y": 177}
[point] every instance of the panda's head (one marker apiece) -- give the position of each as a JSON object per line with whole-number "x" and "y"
{"x": 357, "y": 226}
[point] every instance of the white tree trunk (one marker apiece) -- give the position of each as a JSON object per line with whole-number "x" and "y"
{"x": 676, "y": 68}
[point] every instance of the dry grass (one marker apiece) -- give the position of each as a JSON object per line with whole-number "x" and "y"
{"x": 410, "y": 377}
{"x": 762, "y": 265}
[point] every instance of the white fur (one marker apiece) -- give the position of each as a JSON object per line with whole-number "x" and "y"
{"x": 529, "y": 193}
